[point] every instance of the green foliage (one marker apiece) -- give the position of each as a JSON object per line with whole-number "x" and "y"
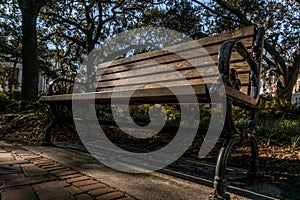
{"x": 74, "y": 28}
{"x": 272, "y": 131}
{"x": 140, "y": 113}
{"x": 181, "y": 16}
{"x": 172, "y": 112}
{"x": 278, "y": 121}
{"x": 10, "y": 28}
{"x": 36, "y": 116}
{"x": 103, "y": 112}
{"x": 9, "y": 103}
{"x": 278, "y": 108}
{"x": 4, "y": 102}
{"x": 280, "y": 18}
{"x": 295, "y": 142}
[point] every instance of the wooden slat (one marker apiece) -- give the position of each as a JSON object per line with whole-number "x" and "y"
{"x": 165, "y": 57}
{"x": 163, "y": 73}
{"x": 160, "y": 78}
{"x": 155, "y": 95}
{"x": 240, "y": 96}
{"x": 151, "y": 66}
{"x": 167, "y": 83}
{"x": 157, "y": 84}
{"x": 244, "y": 89}
{"x": 148, "y": 95}
{"x": 181, "y": 66}
{"x": 247, "y": 32}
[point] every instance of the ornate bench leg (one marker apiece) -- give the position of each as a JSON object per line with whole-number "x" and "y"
{"x": 253, "y": 172}
{"x": 47, "y": 138}
{"x": 219, "y": 180}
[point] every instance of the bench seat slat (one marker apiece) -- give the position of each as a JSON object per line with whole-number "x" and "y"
{"x": 155, "y": 95}
{"x": 149, "y": 95}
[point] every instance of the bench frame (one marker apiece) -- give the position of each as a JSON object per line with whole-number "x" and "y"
{"x": 229, "y": 78}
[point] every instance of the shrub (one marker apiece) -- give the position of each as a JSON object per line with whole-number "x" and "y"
{"x": 4, "y": 102}
{"x": 279, "y": 108}
{"x": 278, "y": 121}
{"x": 8, "y": 104}
{"x": 36, "y": 116}
{"x": 272, "y": 131}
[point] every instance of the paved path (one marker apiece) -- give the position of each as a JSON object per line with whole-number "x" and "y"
{"x": 29, "y": 176}
{"x": 35, "y": 172}
{"x": 44, "y": 173}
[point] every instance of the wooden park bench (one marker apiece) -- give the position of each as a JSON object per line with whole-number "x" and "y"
{"x": 238, "y": 55}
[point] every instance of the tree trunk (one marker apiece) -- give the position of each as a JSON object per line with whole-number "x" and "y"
{"x": 30, "y": 74}
{"x": 293, "y": 72}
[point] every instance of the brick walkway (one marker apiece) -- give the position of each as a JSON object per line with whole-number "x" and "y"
{"x": 26, "y": 175}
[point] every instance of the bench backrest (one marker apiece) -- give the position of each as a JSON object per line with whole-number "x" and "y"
{"x": 148, "y": 66}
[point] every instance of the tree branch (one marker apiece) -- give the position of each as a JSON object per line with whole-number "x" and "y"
{"x": 75, "y": 40}
{"x": 61, "y": 19}
{"x": 294, "y": 64}
{"x": 235, "y": 11}
{"x": 277, "y": 57}
{"x": 100, "y": 22}
{"x": 214, "y": 11}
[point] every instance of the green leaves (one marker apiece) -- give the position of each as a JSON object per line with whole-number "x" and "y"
{"x": 279, "y": 108}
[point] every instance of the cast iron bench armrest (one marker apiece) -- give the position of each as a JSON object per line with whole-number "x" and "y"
{"x": 230, "y": 75}
{"x": 60, "y": 86}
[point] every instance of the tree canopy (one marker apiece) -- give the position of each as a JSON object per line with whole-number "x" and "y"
{"x": 58, "y": 35}
{"x": 282, "y": 24}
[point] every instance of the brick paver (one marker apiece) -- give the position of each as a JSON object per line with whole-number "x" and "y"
{"x": 52, "y": 165}
{"x": 100, "y": 191}
{"x": 6, "y": 157}
{"x": 8, "y": 169}
{"x": 54, "y": 168}
{"x": 84, "y": 183}
{"x": 126, "y": 198}
{"x": 74, "y": 190}
{"x": 18, "y": 193}
{"x": 58, "y": 193}
{"x": 92, "y": 187}
{"x": 49, "y": 185}
{"x": 83, "y": 197}
{"x": 111, "y": 196}
{"x": 63, "y": 172}
{"x": 32, "y": 170}
{"x": 80, "y": 178}
{"x": 26, "y": 175}
{"x": 70, "y": 176}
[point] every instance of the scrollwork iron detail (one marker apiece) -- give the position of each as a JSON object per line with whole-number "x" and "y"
{"x": 233, "y": 134}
